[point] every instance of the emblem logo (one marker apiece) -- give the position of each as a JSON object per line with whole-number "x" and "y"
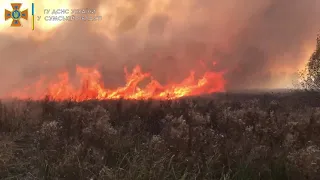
{"x": 16, "y": 14}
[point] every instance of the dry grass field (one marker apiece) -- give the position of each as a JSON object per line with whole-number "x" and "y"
{"x": 223, "y": 137}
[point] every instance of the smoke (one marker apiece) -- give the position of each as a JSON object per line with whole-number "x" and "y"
{"x": 255, "y": 42}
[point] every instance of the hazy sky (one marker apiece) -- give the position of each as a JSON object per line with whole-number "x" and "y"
{"x": 258, "y": 43}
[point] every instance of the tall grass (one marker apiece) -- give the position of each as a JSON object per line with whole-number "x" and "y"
{"x": 237, "y": 137}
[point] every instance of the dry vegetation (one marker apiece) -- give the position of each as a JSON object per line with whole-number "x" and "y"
{"x": 230, "y": 136}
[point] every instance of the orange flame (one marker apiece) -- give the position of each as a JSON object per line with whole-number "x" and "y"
{"x": 92, "y": 87}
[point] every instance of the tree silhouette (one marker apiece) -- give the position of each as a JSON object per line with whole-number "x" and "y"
{"x": 310, "y": 78}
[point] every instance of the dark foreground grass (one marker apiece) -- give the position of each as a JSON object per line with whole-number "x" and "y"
{"x": 229, "y": 137}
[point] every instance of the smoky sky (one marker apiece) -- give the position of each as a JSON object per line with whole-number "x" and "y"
{"x": 247, "y": 38}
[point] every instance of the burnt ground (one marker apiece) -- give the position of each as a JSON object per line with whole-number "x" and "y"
{"x": 229, "y": 136}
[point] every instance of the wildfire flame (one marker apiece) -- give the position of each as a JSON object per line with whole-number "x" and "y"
{"x": 92, "y": 87}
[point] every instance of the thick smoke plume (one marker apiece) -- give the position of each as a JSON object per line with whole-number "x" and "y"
{"x": 256, "y": 42}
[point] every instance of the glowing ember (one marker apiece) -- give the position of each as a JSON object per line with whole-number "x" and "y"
{"x": 92, "y": 87}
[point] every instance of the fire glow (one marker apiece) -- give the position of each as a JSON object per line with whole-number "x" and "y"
{"x": 92, "y": 87}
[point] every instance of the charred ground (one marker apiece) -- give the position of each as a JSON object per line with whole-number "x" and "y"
{"x": 224, "y": 136}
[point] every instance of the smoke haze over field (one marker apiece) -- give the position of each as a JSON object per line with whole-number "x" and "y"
{"x": 257, "y": 43}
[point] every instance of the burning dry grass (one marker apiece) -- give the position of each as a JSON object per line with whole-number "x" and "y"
{"x": 90, "y": 86}
{"x": 256, "y": 137}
